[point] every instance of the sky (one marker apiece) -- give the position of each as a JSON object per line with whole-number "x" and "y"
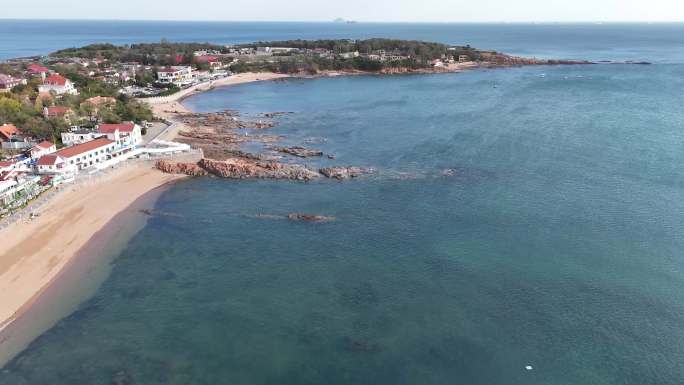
{"x": 359, "y": 10}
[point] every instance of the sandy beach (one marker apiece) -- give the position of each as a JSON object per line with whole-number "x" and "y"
{"x": 167, "y": 107}
{"x": 34, "y": 252}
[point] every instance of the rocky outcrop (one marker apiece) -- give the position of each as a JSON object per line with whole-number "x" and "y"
{"x": 341, "y": 173}
{"x": 246, "y": 169}
{"x": 239, "y": 168}
{"x": 192, "y": 169}
{"x": 298, "y": 151}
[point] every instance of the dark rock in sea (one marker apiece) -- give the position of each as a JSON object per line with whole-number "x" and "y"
{"x": 121, "y": 378}
{"x": 275, "y": 114}
{"x": 449, "y": 172}
{"x": 341, "y": 173}
{"x": 309, "y": 217}
{"x": 156, "y": 213}
{"x": 298, "y": 151}
{"x": 360, "y": 346}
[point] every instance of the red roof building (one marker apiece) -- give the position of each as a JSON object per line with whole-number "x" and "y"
{"x": 45, "y": 144}
{"x": 55, "y": 80}
{"x": 57, "y": 112}
{"x": 36, "y": 69}
{"x": 7, "y": 131}
{"x": 83, "y": 148}
{"x": 47, "y": 160}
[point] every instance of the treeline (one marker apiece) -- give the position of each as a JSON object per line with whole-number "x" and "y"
{"x": 162, "y": 54}
{"x": 415, "y": 48}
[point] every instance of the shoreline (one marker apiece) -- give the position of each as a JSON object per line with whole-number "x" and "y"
{"x": 168, "y": 107}
{"x": 40, "y": 251}
{"x": 72, "y": 228}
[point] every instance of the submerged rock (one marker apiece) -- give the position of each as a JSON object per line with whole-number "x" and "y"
{"x": 298, "y": 151}
{"x": 341, "y": 173}
{"x": 449, "y": 172}
{"x": 309, "y": 217}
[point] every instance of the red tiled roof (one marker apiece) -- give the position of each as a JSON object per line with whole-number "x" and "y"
{"x": 36, "y": 69}
{"x": 206, "y": 59}
{"x": 83, "y": 147}
{"x": 110, "y": 128}
{"x": 47, "y": 160}
{"x": 45, "y": 144}
{"x": 55, "y": 79}
{"x": 5, "y": 164}
{"x": 58, "y": 110}
{"x": 7, "y": 130}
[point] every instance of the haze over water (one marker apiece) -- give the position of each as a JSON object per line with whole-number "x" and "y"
{"x": 557, "y": 244}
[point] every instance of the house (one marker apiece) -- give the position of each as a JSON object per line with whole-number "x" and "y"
{"x": 43, "y": 148}
{"x": 463, "y": 58}
{"x": 126, "y": 135}
{"x": 78, "y": 137}
{"x": 58, "y": 112}
{"x": 8, "y": 131}
{"x": 97, "y": 102}
{"x": 58, "y": 84}
{"x": 8, "y": 82}
{"x": 52, "y": 164}
{"x": 177, "y": 75}
{"x": 37, "y": 70}
{"x": 12, "y": 138}
{"x": 85, "y": 155}
{"x": 213, "y": 62}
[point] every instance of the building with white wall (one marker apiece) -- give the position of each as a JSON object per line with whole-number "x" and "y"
{"x": 58, "y": 84}
{"x": 178, "y": 75}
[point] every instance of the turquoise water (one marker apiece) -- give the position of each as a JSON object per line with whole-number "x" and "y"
{"x": 557, "y": 244}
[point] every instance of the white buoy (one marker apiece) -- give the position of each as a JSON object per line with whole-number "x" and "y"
{"x": 528, "y": 367}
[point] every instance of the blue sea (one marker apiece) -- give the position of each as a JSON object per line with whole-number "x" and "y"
{"x": 557, "y": 243}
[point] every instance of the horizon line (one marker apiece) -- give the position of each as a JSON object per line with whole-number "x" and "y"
{"x": 352, "y": 21}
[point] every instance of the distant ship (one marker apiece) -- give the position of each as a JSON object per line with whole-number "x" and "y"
{"x": 341, "y": 20}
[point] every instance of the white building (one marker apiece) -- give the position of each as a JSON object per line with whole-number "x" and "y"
{"x": 85, "y": 155}
{"x": 53, "y": 164}
{"x": 42, "y": 148}
{"x": 125, "y": 135}
{"x": 58, "y": 84}
{"x": 78, "y": 137}
{"x": 177, "y": 75}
